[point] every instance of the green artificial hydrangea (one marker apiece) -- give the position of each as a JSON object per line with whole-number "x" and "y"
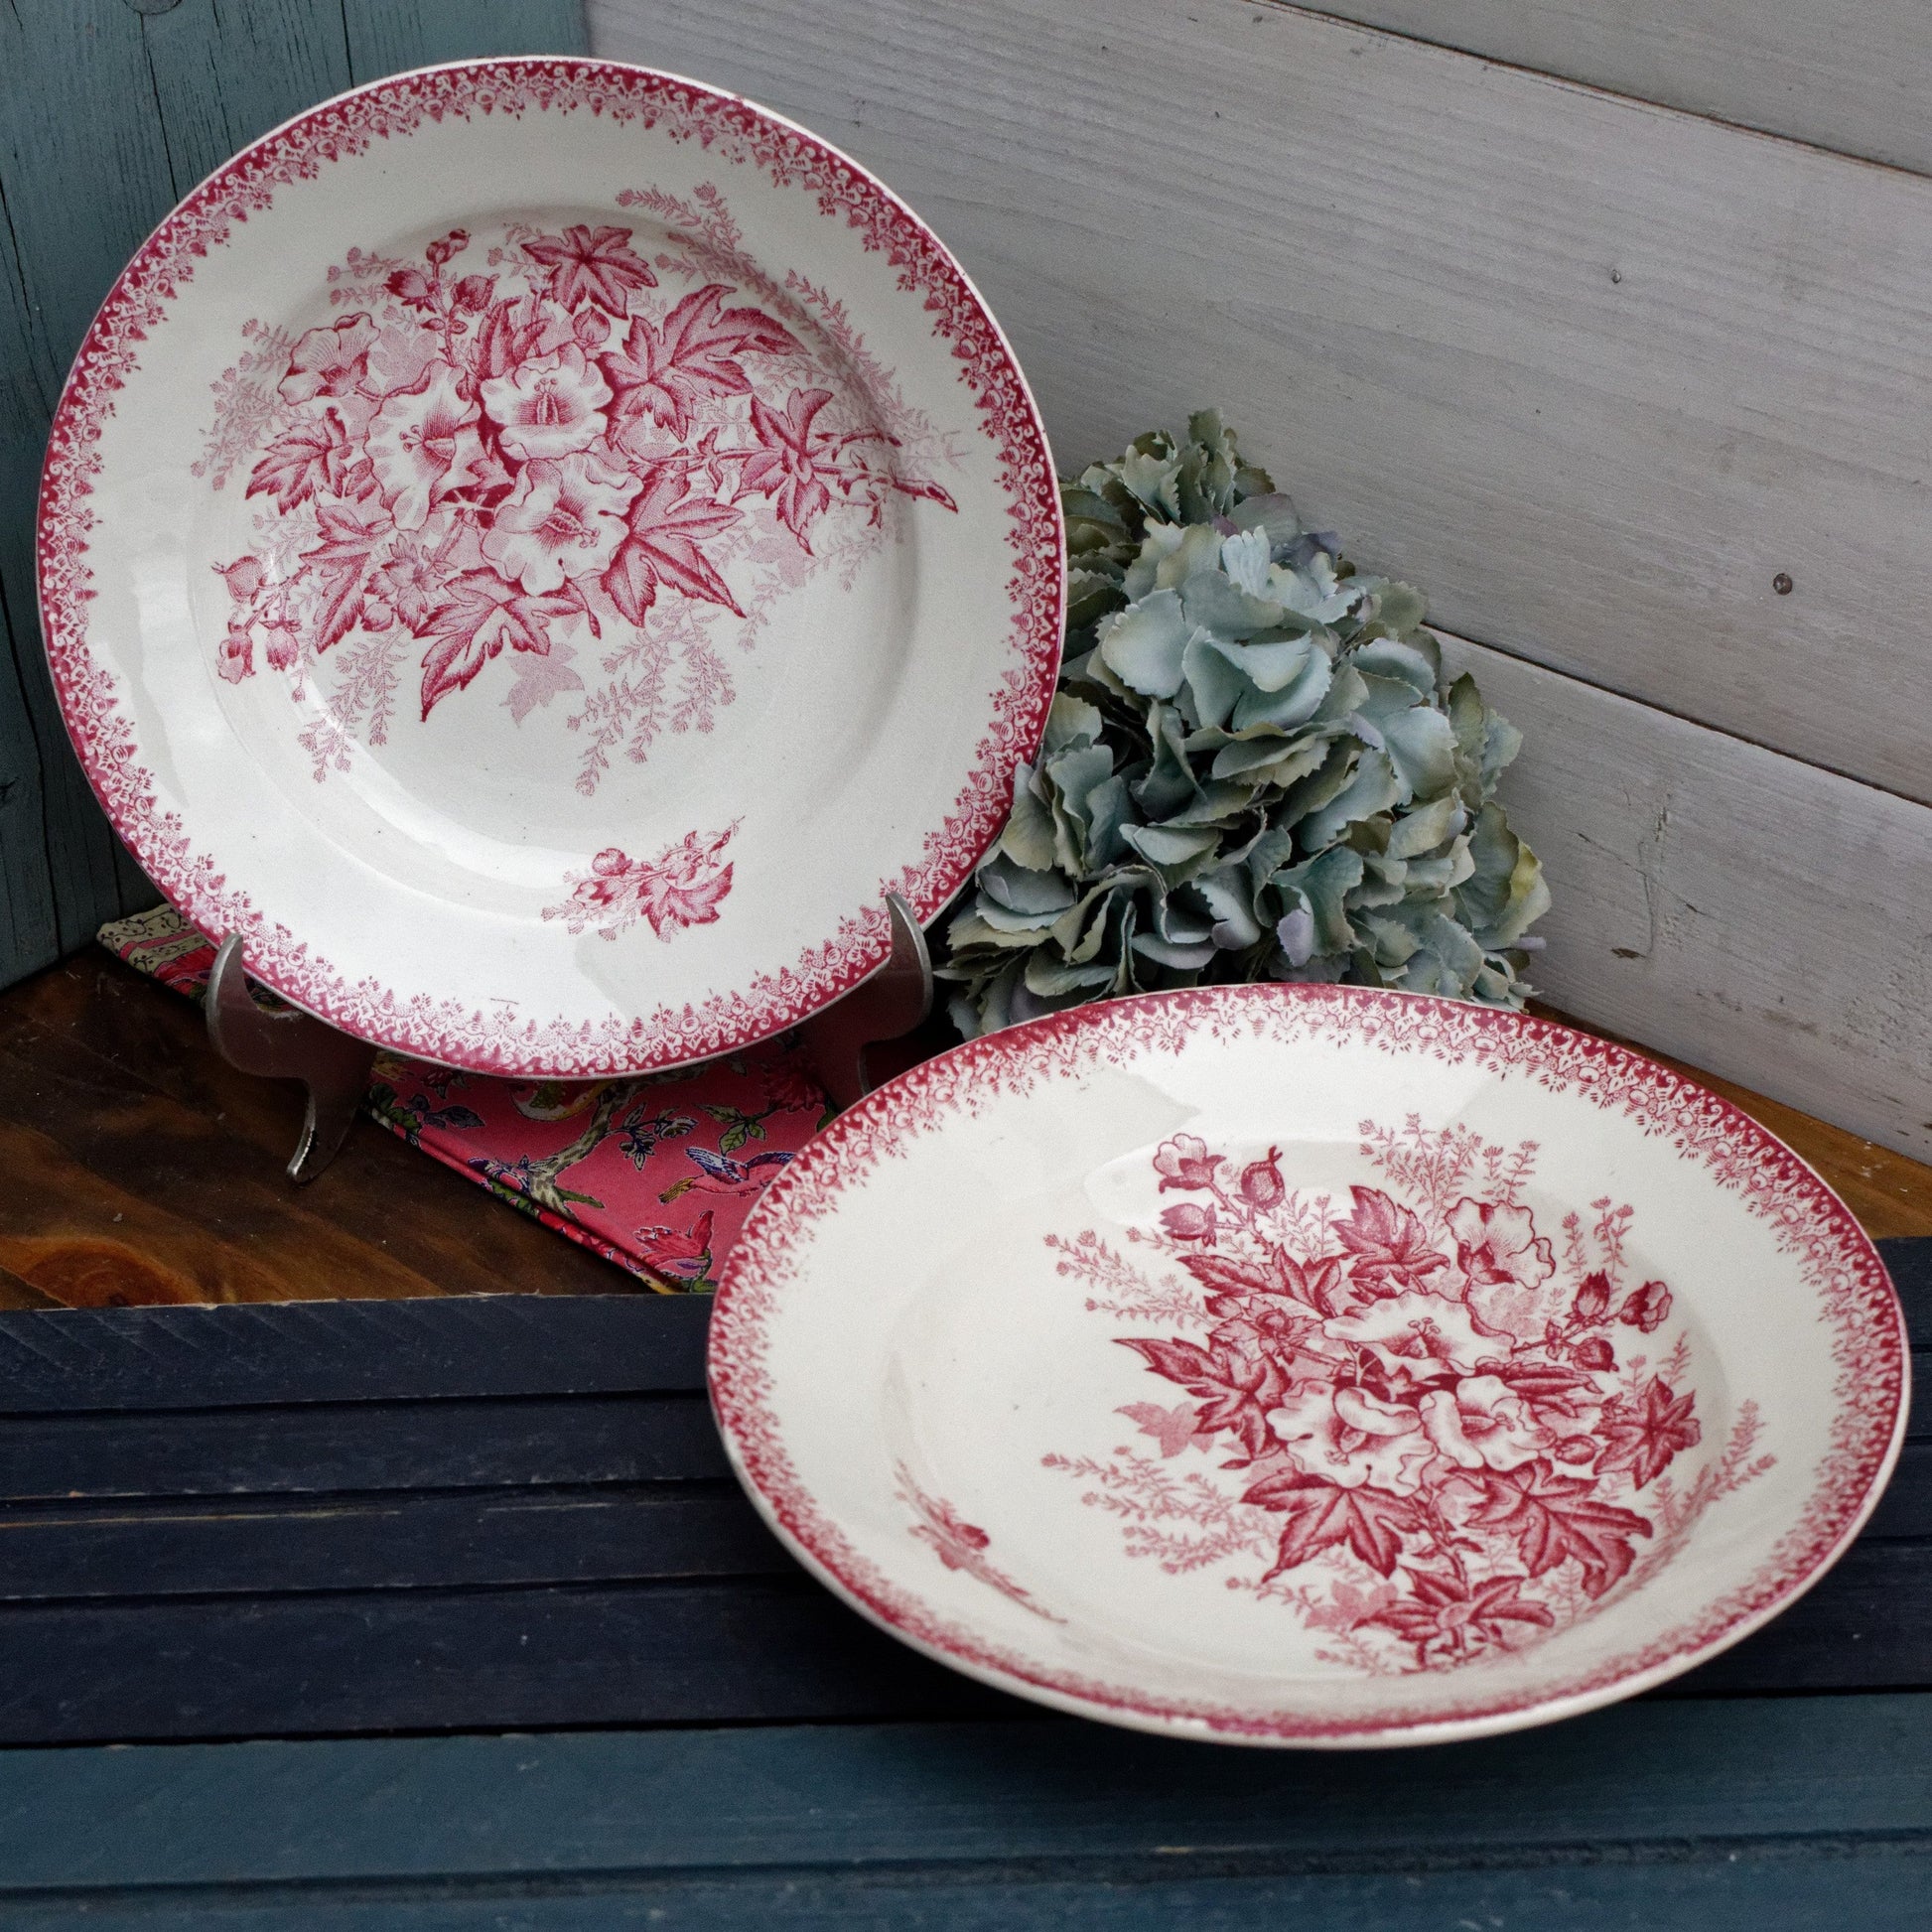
{"x": 1254, "y": 768}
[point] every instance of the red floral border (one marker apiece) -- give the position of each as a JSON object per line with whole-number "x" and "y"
{"x": 738, "y": 133}
{"x": 1832, "y": 1253}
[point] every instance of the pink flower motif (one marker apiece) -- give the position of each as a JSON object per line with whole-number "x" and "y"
{"x": 1184, "y": 1161}
{"x": 330, "y": 361}
{"x": 1188, "y": 1221}
{"x": 1484, "y": 1424}
{"x": 684, "y": 886}
{"x": 1496, "y": 1244}
{"x": 549, "y": 407}
{"x": 565, "y": 518}
{"x": 1414, "y": 1326}
{"x": 1350, "y": 1436}
{"x": 1648, "y": 1308}
{"x": 238, "y": 654}
{"x": 413, "y": 442}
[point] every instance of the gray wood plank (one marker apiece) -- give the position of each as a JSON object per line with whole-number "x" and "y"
{"x": 109, "y": 110}
{"x": 1736, "y": 909}
{"x": 1590, "y": 371}
{"x": 878, "y": 1796}
{"x": 1848, "y": 74}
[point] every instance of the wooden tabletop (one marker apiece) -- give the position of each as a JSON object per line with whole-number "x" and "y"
{"x": 144, "y": 1169}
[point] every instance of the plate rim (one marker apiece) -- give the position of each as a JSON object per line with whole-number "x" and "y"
{"x": 450, "y": 1031}
{"x": 734, "y": 1376}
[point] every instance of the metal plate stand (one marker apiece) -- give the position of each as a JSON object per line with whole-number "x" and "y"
{"x": 335, "y": 1066}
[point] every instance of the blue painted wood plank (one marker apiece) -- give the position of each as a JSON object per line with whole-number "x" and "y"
{"x": 763, "y": 1649}
{"x": 325, "y": 1449}
{"x": 253, "y": 1546}
{"x": 866, "y": 1799}
{"x": 70, "y": 1360}
{"x": 746, "y": 1650}
{"x": 1795, "y": 1887}
{"x": 386, "y": 36}
{"x": 73, "y": 1360}
{"x": 110, "y": 112}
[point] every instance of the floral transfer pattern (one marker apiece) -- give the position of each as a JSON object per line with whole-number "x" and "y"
{"x": 960, "y": 1545}
{"x": 684, "y": 886}
{"x": 1436, "y": 1432}
{"x": 734, "y": 135}
{"x": 568, "y": 466}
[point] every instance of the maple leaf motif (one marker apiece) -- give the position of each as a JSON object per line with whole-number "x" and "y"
{"x": 340, "y": 563}
{"x": 1386, "y": 1243}
{"x": 1644, "y": 1439}
{"x": 784, "y": 468}
{"x": 1173, "y": 1428}
{"x": 1370, "y": 1521}
{"x": 483, "y": 612}
{"x": 1555, "y": 1517}
{"x": 589, "y": 264}
{"x": 1222, "y": 1274}
{"x": 1228, "y": 1281}
{"x": 663, "y": 372}
{"x": 1445, "y": 1606}
{"x": 667, "y": 525}
{"x": 1236, "y": 1390}
{"x": 312, "y": 457}
{"x": 1313, "y": 1281}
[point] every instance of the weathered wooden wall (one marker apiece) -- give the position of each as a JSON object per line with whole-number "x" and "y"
{"x": 1592, "y": 371}
{"x": 111, "y": 110}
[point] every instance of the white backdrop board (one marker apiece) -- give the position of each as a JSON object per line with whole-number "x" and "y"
{"x": 1855, "y": 75}
{"x": 1592, "y": 371}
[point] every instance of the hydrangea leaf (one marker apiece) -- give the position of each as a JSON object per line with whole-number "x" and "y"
{"x": 1142, "y": 644}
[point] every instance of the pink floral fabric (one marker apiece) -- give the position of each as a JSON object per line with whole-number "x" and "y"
{"x": 655, "y": 1173}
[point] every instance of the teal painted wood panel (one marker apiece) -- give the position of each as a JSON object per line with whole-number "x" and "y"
{"x": 111, "y": 110}
{"x": 1786, "y": 1812}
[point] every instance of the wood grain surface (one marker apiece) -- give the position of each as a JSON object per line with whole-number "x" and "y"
{"x": 148, "y": 1171}
{"x": 142, "y": 1169}
{"x": 1853, "y": 75}
{"x": 111, "y": 110}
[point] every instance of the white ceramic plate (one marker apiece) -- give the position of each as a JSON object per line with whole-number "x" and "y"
{"x": 542, "y": 548}
{"x": 1306, "y": 1366}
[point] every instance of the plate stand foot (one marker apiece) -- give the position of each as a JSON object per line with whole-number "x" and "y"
{"x": 290, "y": 1045}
